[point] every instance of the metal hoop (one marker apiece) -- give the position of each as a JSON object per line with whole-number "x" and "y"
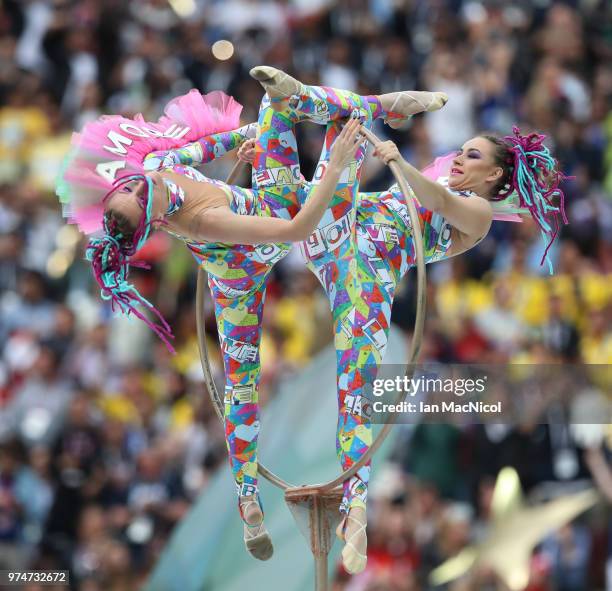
{"x": 415, "y": 345}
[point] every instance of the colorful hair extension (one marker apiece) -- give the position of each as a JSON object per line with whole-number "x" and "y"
{"x": 536, "y": 182}
{"x": 109, "y": 257}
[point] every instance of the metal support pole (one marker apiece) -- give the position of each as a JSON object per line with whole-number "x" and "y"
{"x": 318, "y": 521}
{"x": 316, "y": 514}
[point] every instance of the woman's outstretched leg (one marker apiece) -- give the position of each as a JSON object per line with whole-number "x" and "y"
{"x": 360, "y": 280}
{"x": 322, "y": 106}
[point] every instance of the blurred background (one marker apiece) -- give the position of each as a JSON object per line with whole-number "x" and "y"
{"x": 100, "y": 426}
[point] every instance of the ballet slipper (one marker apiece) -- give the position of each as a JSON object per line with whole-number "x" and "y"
{"x": 276, "y": 82}
{"x": 256, "y": 537}
{"x": 353, "y": 560}
{"x": 408, "y": 103}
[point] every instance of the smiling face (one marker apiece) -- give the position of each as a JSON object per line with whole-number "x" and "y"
{"x": 474, "y": 168}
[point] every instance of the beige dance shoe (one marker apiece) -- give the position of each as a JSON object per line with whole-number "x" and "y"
{"x": 410, "y": 102}
{"x": 276, "y": 82}
{"x": 354, "y": 557}
{"x": 256, "y": 537}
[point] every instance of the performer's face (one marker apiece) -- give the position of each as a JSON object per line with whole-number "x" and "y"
{"x": 128, "y": 200}
{"x": 125, "y": 203}
{"x": 474, "y": 168}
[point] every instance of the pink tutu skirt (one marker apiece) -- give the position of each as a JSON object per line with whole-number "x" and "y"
{"x": 114, "y": 146}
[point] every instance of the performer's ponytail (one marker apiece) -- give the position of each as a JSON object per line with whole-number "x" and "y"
{"x": 531, "y": 173}
{"x": 110, "y": 255}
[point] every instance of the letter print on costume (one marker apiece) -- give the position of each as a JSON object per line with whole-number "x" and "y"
{"x": 278, "y": 191}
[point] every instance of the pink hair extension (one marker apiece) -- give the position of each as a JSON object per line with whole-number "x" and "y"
{"x": 109, "y": 257}
{"x": 536, "y": 182}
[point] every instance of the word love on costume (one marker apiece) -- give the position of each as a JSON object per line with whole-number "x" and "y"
{"x": 282, "y": 175}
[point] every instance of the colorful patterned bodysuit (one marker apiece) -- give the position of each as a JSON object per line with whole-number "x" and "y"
{"x": 358, "y": 253}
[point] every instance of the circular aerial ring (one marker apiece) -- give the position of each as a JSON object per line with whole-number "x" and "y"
{"x": 415, "y": 345}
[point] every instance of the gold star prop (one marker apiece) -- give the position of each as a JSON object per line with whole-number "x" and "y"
{"x": 514, "y": 532}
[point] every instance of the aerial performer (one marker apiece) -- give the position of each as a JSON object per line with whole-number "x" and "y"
{"x": 362, "y": 248}
{"x": 125, "y": 178}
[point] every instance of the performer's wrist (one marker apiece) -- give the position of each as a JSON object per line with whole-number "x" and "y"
{"x": 335, "y": 168}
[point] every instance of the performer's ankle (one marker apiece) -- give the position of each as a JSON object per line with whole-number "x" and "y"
{"x": 250, "y": 509}
{"x": 356, "y": 503}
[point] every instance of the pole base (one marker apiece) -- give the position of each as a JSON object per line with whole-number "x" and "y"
{"x": 316, "y": 515}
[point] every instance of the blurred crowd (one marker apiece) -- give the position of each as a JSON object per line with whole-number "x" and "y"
{"x": 106, "y": 439}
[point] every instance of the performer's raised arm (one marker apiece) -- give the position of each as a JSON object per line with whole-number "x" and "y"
{"x": 472, "y": 216}
{"x": 203, "y": 150}
{"x": 489, "y": 175}
{"x": 221, "y": 224}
